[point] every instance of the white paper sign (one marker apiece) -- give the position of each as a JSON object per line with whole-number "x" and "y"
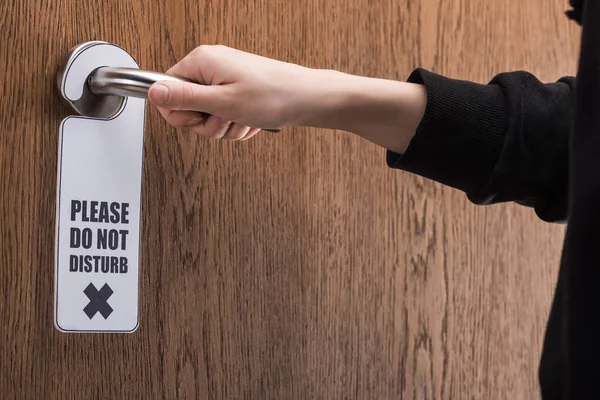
{"x": 98, "y": 216}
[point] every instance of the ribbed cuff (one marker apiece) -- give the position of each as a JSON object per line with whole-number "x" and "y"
{"x": 461, "y": 135}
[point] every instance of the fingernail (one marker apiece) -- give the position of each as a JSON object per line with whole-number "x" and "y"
{"x": 194, "y": 121}
{"x": 159, "y": 94}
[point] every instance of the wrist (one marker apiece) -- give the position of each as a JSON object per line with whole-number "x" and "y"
{"x": 385, "y": 112}
{"x": 323, "y": 98}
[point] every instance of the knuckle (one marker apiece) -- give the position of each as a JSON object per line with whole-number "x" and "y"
{"x": 215, "y": 134}
{"x": 235, "y": 132}
{"x": 236, "y": 138}
{"x": 205, "y": 51}
{"x": 202, "y": 49}
{"x": 239, "y": 134}
{"x": 188, "y": 94}
{"x": 231, "y": 103}
{"x": 182, "y": 96}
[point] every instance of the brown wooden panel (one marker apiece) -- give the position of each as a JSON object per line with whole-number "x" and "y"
{"x": 295, "y": 265}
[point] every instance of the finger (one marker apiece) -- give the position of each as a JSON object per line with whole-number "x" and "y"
{"x": 251, "y": 133}
{"x": 236, "y": 132}
{"x": 182, "y": 119}
{"x": 187, "y": 96}
{"x": 214, "y": 127}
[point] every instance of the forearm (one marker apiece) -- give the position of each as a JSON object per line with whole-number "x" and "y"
{"x": 384, "y": 112}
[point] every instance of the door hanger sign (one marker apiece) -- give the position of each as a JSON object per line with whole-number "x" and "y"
{"x": 98, "y": 203}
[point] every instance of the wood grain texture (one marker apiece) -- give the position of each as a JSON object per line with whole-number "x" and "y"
{"x": 295, "y": 265}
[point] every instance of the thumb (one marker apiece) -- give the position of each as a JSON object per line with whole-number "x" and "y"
{"x": 185, "y": 96}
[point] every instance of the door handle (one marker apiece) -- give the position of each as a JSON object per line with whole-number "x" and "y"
{"x": 126, "y": 82}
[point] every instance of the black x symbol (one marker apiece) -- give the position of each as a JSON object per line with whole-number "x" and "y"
{"x": 98, "y": 301}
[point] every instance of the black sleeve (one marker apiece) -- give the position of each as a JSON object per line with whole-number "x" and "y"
{"x": 504, "y": 141}
{"x": 577, "y": 11}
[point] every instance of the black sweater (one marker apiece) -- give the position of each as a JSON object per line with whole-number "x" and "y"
{"x": 517, "y": 139}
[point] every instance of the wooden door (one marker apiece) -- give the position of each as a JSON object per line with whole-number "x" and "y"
{"x": 294, "y": 265}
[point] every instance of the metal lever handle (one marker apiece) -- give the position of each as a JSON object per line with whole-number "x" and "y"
{"x": 126, "y": 82}
{"x": 129, "y": 82}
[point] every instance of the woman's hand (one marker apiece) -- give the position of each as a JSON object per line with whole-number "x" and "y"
{"x": 244, "y": 93}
